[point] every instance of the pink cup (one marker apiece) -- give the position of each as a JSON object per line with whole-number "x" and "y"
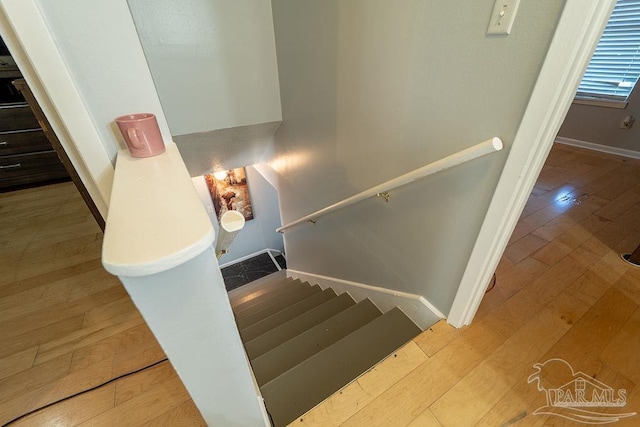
{"x": 141, "y": 134}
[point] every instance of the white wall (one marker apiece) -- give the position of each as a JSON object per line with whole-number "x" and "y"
{"x": 601, "y": 125}
{"x": 374, "y": 89}
{"x": 99, "y": 45}
{"x": 213, "y": 62}
{"x": 259, "y": 233}
{"x": 189, "y": 313}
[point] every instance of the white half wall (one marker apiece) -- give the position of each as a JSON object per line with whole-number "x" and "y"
{"x": 188, "y": 310}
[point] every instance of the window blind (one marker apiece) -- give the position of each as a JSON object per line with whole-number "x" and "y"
{"x": 615, "y": 66}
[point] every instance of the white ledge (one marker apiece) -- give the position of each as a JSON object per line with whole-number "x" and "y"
{"x": 156, "y": 220}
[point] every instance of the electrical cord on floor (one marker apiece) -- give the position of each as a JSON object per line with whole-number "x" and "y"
{"x": 48, "y": 405}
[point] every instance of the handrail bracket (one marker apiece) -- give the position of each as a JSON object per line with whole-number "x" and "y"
{"x": 384, "y": 195}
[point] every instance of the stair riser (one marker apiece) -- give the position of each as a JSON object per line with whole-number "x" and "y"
{"x": 305, "y": 344}
{"x": 277, "y": 319}
{"x": 286, "y": 300}
{"x": 307, "y": 384}
{"x": 252, "y": 290}
{"x": 289, "y": 330}
{"x": 295, "y": 351}
{"x": 261, "y": 298}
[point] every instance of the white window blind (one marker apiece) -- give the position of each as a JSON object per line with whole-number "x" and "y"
{"x": 615, "y": 65}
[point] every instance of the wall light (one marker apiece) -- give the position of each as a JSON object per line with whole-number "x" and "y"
{"x": 220, "y": 175}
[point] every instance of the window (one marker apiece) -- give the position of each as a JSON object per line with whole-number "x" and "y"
{"x": 615, "y": 65}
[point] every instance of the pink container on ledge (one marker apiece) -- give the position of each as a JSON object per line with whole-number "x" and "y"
{"x": 141, "y": 134}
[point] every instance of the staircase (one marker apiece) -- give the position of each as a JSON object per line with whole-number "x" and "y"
{"x": 305, "y": 343}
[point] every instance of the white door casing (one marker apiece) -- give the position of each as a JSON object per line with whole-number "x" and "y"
{"x": 575, "y": 39}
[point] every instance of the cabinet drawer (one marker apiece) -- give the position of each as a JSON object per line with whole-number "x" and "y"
{"x": 26, "y": 141}
{"x": 44, "y": 163}
{"x": 17, "y": 117}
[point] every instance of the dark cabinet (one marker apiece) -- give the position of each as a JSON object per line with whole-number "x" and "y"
{"x": 26, "y": 155}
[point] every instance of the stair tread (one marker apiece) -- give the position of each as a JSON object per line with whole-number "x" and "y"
{"x": 286, "y": 314}
{"x": 258, "y": 287}
{"x": 293, "y": 327}
{"x": 302, "y": 387}
{"x": 261, "y": 296}
{"x": 284, "y": 300}
{"x": 280, "y": 359}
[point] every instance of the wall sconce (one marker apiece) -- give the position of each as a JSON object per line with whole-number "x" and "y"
{"x": 231, "y": 223}
{"x": 220, "y": 175}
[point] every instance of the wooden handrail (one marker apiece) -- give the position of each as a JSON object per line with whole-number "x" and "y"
{"x": 487, "y": 147}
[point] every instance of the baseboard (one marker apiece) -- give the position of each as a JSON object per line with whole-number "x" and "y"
{"x": 598, "y": 147}
{"x": 273, "y": 259}
{"x": 418, "y": 309}
{"x": 246, "y": 257}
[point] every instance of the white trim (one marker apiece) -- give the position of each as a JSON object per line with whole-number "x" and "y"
{"x": 274, "y": 260}
{"x": 254, "y": 254}
{"x": 598, "y": 147}
{"x": 573, "y": 43}
{"x": 418, "y": 309}
{"x": 606, "y": 103}
{"x": 482, "y": 149}
{"x": 45, "y": 71}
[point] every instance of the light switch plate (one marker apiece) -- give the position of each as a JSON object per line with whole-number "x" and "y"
{"x": 502, "y": 16}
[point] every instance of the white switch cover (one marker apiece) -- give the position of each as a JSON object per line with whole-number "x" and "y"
{"x": 502, "y": 16}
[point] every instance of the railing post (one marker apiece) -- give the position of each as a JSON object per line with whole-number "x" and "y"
{"x": 159, "y": 242}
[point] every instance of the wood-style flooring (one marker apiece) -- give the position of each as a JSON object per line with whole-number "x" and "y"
{"x": 66, "y": 325}
{"x": 562, "y": 292}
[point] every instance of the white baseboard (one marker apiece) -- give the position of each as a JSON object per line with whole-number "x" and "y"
{"x": 274, "y": 259}
{"x": 598, "y": 147}
{"x": 246, "y": 257}
{"x": 418, "y": 309}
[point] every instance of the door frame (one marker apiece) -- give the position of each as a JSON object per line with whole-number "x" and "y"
{"x": 576, "y": 37}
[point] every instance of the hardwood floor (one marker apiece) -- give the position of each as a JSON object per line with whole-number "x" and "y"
{"x": 66, "y": 325}
{"x": 562, "y": 292}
